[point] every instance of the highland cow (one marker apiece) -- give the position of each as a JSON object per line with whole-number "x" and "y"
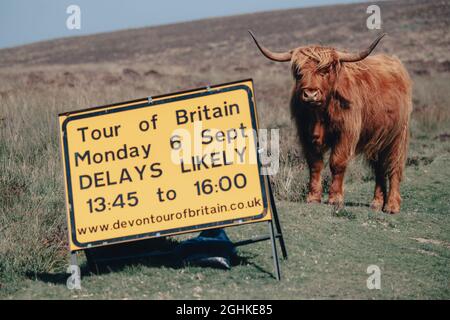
{"x": 350, "y": 104}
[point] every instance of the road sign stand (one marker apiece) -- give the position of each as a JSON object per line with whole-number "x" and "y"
{"x": 275, "y": 232}
{"x": 79, "y": 176}
{"x": 273, "y": 236}
{"x": 74, "y": 280}
{"x": 279, "y": 234}
{"x": 73, "y": 258}
{"x": 276, "y": 261}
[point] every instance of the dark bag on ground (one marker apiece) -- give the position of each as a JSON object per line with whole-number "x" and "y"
{"x": 212, "y": 248}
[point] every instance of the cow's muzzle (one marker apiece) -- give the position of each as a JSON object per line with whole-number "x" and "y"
{"x": 312, "y": 96}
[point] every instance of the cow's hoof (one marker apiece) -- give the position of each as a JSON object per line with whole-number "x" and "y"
{"x": 337, "y": 201}
{"x": 392, "y": 208}
{"x": 312, "y": 198}
{"x": 376, "y": 205}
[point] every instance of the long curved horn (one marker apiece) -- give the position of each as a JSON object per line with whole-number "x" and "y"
{"x": 354, "y": 57}
{"x": 275, "y": 56}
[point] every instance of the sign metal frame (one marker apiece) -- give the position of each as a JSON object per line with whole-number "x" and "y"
{"x": 274, "y": 225}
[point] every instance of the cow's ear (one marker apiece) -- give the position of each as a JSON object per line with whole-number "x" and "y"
{"x": 342, "y": 89}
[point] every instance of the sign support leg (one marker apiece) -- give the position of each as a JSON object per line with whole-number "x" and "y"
{"x": 274, "y": 251}
{"x": 73, "y": 258}
{"x": 74, "y": 280}
{"x": 277, "y": 221}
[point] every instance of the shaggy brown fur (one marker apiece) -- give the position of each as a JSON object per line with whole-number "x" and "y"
{"x": 351, "y": 108}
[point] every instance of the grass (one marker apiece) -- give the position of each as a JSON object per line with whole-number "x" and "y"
{"x": 329, "y": 251}
{"x": 328, "y": 257}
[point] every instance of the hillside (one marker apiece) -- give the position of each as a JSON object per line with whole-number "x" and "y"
{"x": 421, "y": 25}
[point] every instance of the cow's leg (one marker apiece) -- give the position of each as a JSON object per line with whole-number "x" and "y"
{"x": 315, "y": 164}
{"x": 396, "y": 160}
{"x": 340, "y": 157}
{"x": 380, "y": 186}
{"x": 394, "y": 199}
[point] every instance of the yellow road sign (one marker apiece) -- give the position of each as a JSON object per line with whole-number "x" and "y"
{"x": 172, "y": 164}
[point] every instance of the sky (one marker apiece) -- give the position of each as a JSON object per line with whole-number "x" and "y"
{"x": 27, "y": 21}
